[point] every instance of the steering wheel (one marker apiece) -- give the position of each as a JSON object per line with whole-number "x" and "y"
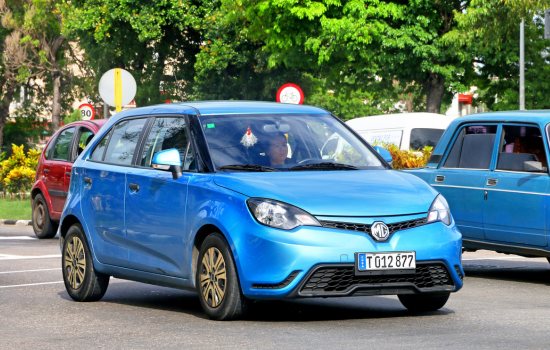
{"x": 310, "y": 161}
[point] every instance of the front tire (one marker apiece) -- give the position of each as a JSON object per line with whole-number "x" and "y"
{"x": 42, "y": 224}
{"x": 82, "y": 281}
{"x": 217, "y": 281}
{"x": 424, "y": 302}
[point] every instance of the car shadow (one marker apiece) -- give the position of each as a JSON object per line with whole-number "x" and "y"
{"x": 296, "y": 310}
{"x": 528, "y": 274}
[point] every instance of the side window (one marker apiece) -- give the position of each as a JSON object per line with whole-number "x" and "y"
{"x": 473, "y": 148}
{"x": 167, "y": 133}
{"x": 99, "y": 151}
{"x": 520, "y": 144}
{"x": 62, "y": 145}
{"x": 124, "y": 138}
{"x": 49, "y": 150}
{"x": 84, "y": 137}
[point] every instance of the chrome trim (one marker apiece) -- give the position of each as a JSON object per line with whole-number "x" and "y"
{"x": 440, "y": 178}
{"x": 520, "y": 172}
{"x": 465, "y": 169}
{"x": 491, "y": 182}
{"x": 492, "y": 189}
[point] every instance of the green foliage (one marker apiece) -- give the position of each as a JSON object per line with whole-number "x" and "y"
{"x": 75, "y": 116}
{"x": 18, "y": 171}
{"x": 25, "y": 127}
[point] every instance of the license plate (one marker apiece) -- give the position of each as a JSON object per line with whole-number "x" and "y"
{"x": 385, "y": 263}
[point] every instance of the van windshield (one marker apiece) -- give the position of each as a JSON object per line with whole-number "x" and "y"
{"x": 285, "y": 142}
{"x": 425, "y": 137}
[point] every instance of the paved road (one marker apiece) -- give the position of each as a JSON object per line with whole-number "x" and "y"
{"x": 505, "y": 304}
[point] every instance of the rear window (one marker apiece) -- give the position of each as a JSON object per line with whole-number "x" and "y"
{"x": 421, "y": 138}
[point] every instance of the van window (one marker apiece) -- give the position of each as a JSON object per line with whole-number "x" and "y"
{"x": 473, "y": 148}
{"x": 421, "y": 138}
{"x": 520, "y": 144}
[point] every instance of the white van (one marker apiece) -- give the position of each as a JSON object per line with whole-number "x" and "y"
{"x": 406, "y": 130}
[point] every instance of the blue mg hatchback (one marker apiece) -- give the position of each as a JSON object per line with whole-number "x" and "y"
{"x": 247, "y": 200}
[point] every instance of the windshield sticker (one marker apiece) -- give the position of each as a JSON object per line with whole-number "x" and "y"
{"x": 211, "y": 125}
{"x": 249, "y": 139}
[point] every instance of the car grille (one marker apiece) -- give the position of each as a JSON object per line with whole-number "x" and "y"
{"x": 398, "y": 226}
{"x": 342, "y": 279}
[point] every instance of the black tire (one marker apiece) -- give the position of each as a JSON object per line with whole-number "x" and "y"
{"x": 82, "y": 281}
{"x": 233, "y": 304}
{"x": 424, "y": 302}
{"x": 42, "y": 225}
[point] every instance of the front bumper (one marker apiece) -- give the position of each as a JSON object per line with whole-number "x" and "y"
{"x": 275, "y": 264}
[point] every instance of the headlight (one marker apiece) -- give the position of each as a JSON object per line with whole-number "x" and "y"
{"x": 279, "y": 215}
{"x": 439, "y": 211}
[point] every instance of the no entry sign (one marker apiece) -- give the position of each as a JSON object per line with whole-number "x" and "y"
{"x": 87, "y": 111}
{"x": 290, "y": 93}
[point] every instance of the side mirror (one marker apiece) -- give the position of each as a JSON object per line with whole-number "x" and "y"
{"x": 533, "y": 166}
{"x": 384, "y": 153}
{"x": 168, "y": 160}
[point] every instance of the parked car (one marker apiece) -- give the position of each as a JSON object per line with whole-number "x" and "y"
{"x": 406, "y": 130}
{"x": 493, "y": 170}
{"x": 53, "y": 174}
{"x": 203, "y": 196}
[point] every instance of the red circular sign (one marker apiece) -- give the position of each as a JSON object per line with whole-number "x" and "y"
{"x": 290, "y": 93}
{"x": 87, "y": 111}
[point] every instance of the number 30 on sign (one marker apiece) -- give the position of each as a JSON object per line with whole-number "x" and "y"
{"x": 87, "y": 111}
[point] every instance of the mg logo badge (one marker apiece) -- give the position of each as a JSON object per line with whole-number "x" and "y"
{"x": 379, "y": 231}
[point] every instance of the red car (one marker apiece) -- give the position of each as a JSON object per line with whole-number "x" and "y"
{"x": 53, "y": 174}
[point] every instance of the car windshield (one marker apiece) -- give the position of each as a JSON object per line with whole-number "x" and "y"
{"x": 285, "y": 142}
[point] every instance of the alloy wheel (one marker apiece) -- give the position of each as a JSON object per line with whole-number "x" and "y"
{"x": 38, "y": 216}
{"x": 75, "y": 262}
{"x": 213, "y": 278}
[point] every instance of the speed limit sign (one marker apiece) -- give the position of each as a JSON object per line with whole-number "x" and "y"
{"x": 87, "y": 111}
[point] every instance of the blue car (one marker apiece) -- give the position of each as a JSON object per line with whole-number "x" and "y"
{"x": 243, "y": 201}
{"x": 493, "y": 170}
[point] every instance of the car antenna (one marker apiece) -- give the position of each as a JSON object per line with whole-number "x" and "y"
{"x": 177, "y": 85}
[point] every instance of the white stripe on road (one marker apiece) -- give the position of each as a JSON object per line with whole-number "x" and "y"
{"x": 31, "y": 284}
{"x": 58, "y": 268}
{"x": 23, "y": 257}
{"x": 18, "y": 237}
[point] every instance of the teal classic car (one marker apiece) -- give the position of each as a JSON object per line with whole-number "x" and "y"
{"x": 492, "y": 168}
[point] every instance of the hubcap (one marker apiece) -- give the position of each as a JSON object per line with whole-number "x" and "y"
{"x": 75, "y": 262}
{"x": 38, "y": 216}
{"x": 213, "y": 279}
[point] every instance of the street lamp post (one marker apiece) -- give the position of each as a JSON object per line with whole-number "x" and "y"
{"x": 522, "y": 66}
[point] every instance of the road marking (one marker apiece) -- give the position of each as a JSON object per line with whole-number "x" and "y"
{"x": 58, "y": 268}
{"x": 18, "y": 237}
{"x": 31, "y": 284}
{"x": 508, "y": 258}
{"x": 23, "y": 257}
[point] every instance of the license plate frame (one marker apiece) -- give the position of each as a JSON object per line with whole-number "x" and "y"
{"x": 383, "y": 271}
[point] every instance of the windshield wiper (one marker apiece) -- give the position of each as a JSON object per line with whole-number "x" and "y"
{"x": 324, "y": 166}
{"x": 247, "y": 167}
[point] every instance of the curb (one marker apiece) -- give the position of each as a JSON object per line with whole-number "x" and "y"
{"x": 16, "y": 222}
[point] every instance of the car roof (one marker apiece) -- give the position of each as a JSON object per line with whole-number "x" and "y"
{"x": 222, "y": 108}
{"x": 400, "y": 121}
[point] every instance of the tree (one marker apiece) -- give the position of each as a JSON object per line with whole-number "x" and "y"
{"x": 150, "y": 39}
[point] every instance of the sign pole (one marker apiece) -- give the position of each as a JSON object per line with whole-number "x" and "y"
{"x": 105, "y": 111}
{"x": 522, "y": 66}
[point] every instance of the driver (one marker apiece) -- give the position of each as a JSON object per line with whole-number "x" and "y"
{"x": 277, "y": 149}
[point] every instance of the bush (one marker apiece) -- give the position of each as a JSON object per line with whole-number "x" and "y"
{"x": 407, "y": 159}
{"x": 17, "y": 173}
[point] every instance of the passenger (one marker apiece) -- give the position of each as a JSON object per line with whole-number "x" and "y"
{"x": 277, "y": 150}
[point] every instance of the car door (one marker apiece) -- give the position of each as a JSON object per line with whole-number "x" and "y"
{"x": 55, "y": 169}
{"x": 156, "y": 203}
{"x": 461, "y": 176}
{"x": 104, "y": 177}
{"x": 515, "y": 205}
{"x": 83, "y": 136}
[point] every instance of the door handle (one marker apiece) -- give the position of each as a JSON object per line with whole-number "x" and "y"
{"x": 46, "y": 170}
{"x": 88, "y": 180}
{"x": 68, "y": 173}
{"x": 440, "y": 178}
{"x": 134, "y": 187}
{"x": 492, "y": 182}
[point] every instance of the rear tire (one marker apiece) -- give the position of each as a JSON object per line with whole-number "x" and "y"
{"x": 82, "y": 281}
{"x": 42, "y": 225}
{"x": 217, "y": 281}
{"x": 424, "y": 302}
